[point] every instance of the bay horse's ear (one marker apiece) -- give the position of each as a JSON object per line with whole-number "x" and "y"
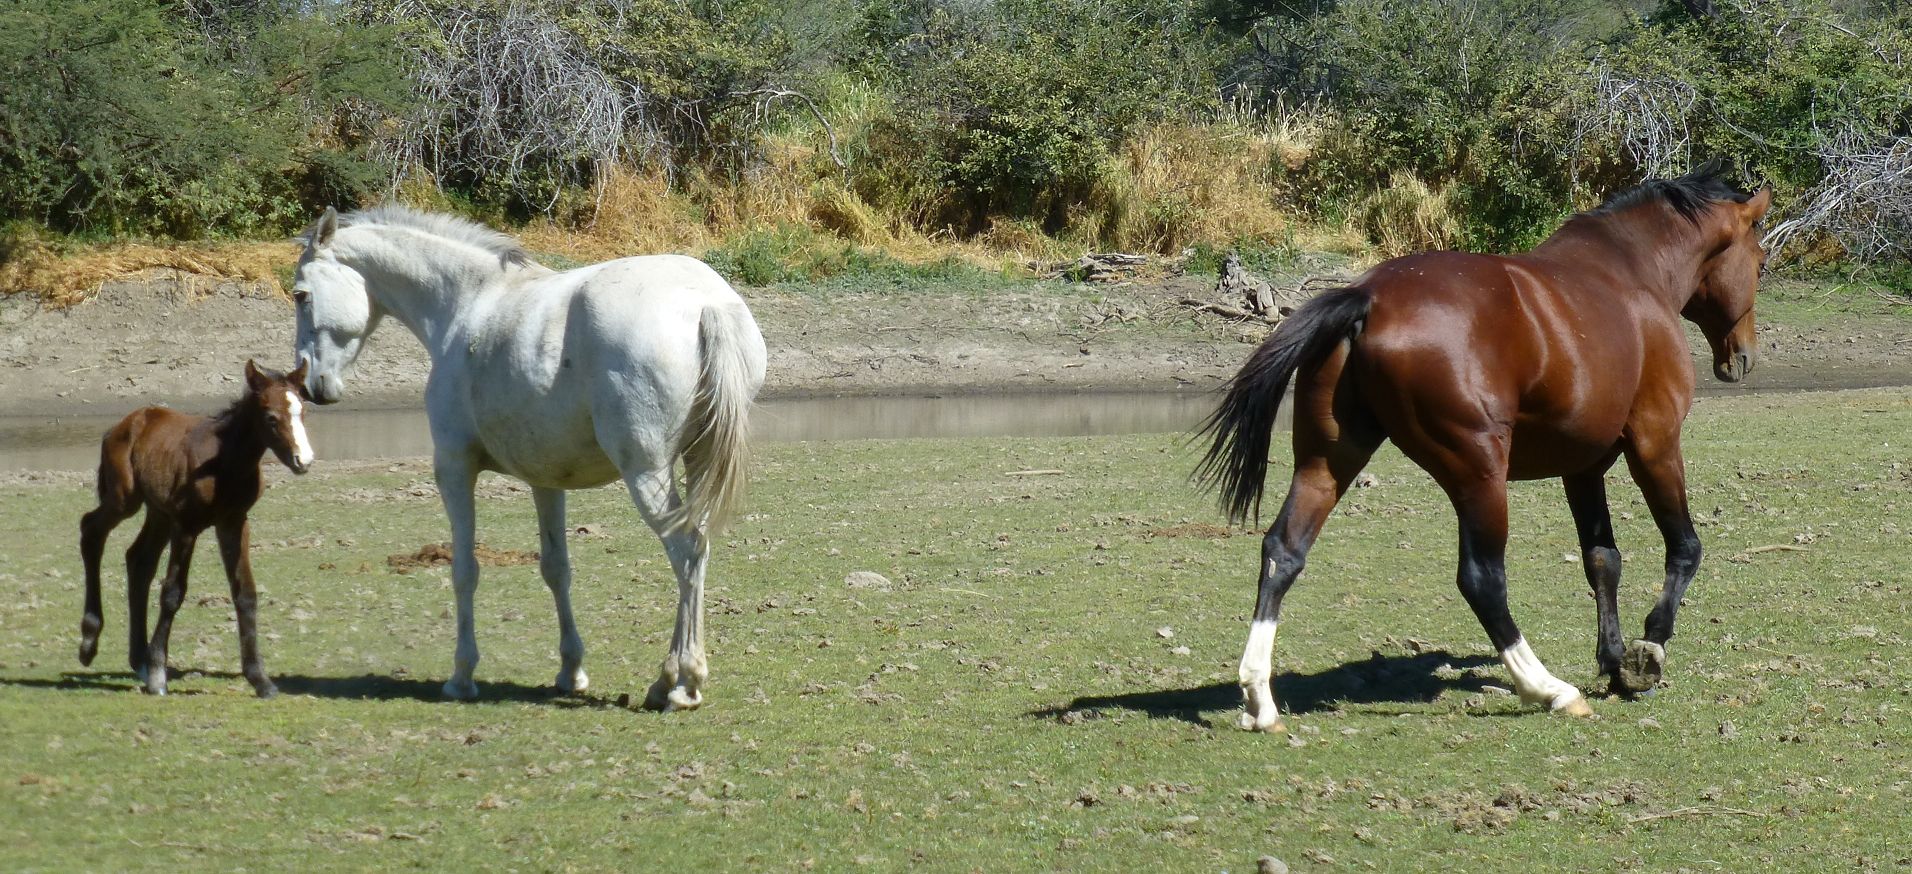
{"x": 322, "y": 230}
{"x": 1757, "y": 206}
{"x": 254, "y": 378}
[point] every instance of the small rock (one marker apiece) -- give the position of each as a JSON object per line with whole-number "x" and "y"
{"x": 1165, "y": 632}
{"x": 1270, "y": 865}
{"x": 1728, "y": 731}
{"x": 1181, "y": 650}
{"x": 1366, "y": 481}
{"x": 867, "y": 580}
{"x": 1650, "y": 723}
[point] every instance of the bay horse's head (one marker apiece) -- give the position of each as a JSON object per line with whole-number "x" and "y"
{"x": 1722, "y": 306}
{"x": 278, "y": 401}
{"x": 335, "y": 313}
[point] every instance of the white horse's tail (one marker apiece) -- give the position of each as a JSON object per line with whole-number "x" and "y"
{"x": 716, "y": 442}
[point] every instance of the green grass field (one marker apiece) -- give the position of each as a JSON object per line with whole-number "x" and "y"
{"x": 1010, "y": 702}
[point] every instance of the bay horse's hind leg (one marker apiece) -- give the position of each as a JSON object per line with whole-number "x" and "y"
{"x": 142, "y": 562}
{"x": 1319, "y": 481}
{"x": 1480, "y": 501}
{"x": 554, "y": 563}
{"x": 1600, "y": 556}
{"x": 1660, "y": 472}
{"x": 681, "y": 679}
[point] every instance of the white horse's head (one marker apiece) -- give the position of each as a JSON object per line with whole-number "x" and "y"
{"x": 335, "y": 313}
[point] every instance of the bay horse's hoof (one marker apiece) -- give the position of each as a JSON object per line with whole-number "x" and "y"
{"x": 266, "y": 691}
{"x": 88, "y": 649}
{"x": 572, "y": 682}
{"x": 1641, "y": 666}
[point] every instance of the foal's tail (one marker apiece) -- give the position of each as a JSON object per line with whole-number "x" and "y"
{"x": 716, "y": 441}
{"x": 1243, "y": 425}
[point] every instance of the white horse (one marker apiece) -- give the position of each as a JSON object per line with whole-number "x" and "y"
{"x": 565, "y": 380}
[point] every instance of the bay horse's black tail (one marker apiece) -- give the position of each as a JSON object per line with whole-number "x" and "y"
{"x": 1243, "y": 425}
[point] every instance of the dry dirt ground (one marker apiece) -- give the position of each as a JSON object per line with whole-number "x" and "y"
{"x": 162, "y": 338}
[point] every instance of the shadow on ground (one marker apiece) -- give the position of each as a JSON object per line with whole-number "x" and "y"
{"x": 366, "y": 687}
{"x": 1415, "y": 678}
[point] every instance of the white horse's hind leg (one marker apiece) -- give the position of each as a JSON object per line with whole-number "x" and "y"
{"x": 680, "y": 683}
{"x": 554, "y": 562}
{"x": 456, "y": 480}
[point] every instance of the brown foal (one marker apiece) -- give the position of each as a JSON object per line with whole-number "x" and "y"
{"x": 190, "y": 473}
{"x": 1486, "y": 368}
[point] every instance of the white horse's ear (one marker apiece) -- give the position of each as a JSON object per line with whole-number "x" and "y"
{"x": 322, "y": 230}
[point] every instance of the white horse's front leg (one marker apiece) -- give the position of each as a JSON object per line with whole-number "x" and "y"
{"x": 554, "y": 561}
{"x": 456, "y": 480}
{"x": 680, "y": 683}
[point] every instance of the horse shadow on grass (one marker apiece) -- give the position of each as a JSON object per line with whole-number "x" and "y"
{"x": 1418, "y": 678}
{"x": 365, "y": 687}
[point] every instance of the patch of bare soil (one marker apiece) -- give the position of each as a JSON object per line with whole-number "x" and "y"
{"x": 437, "y": 554}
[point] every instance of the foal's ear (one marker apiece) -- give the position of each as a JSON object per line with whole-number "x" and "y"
{"x": 1757, "y": 206}
{"x": 297, "y": 377}
{"x": 254, "y": 378}
{"x": 320, "y": 234}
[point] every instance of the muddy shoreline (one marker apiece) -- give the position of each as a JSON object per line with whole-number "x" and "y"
{"x": 165, "y": 338}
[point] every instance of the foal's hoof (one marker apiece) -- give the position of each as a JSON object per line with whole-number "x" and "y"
{"x": 88, "y": 649}
{"x": 461, "y": 690}
{"x": 155, "y": 680}
{"x": 1641, "y": 666}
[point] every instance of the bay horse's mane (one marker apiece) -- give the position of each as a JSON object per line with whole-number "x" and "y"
{"x": 451, "y": 227}
{"x": 1688, "y": 195}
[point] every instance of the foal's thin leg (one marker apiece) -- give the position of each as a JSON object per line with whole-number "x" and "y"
{"x": 1662, "y": 479}
{"x": 1587, "y": 498}
{"x": 680, "y": 682}
{"x": 554, "y": 562}
{"x": 142, "y": 561}
{"x": 94, "y": 528}
{"x": 235, "y": 538}
{"x": 1481, "y": 505}
{"x": 456, "y": 481}
{"x": 173, "y": 593}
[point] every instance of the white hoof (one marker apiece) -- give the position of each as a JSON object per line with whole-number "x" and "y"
{"x": 1265, "y": 723}
{"x": 681, "y": 698}
{"x": 1572, "y": 705}
{"x": 461, "y": 690}
{"x": 573, "y": 682}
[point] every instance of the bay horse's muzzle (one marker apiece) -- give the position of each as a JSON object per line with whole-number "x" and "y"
{"x": 1733, "y": 367}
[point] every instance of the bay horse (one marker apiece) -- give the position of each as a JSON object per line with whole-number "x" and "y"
{"x": 1488, "y": 368}
{"x": 189, "y": 473}
{"x": 565, "y": 380}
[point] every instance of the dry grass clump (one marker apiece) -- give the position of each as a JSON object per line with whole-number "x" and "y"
{"x": 1409, "y": 216}
{"x": 66, "y": 278}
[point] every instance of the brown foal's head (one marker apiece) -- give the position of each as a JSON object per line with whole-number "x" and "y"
{"x": 1723, "y": 305}
{"x": 279, "y": 399}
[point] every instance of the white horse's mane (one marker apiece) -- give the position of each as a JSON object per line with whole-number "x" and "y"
{"x": 450, "y": 227}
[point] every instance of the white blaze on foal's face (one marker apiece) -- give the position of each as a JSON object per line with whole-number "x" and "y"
{"x": 301, "y": 446}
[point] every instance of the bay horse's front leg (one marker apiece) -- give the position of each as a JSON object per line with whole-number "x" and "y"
{"x": 235, "y": 547}
{"x": 1661, "y": 475}
{"x": 1587, "y": 498}
{"x": 172, "y": 593}
{"x": 456, "y": 481}
{"x": 554, "y": 562}
{"x": 680, "y": 680}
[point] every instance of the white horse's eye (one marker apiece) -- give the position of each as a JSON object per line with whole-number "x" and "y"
{"x": 301, "y": 296}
